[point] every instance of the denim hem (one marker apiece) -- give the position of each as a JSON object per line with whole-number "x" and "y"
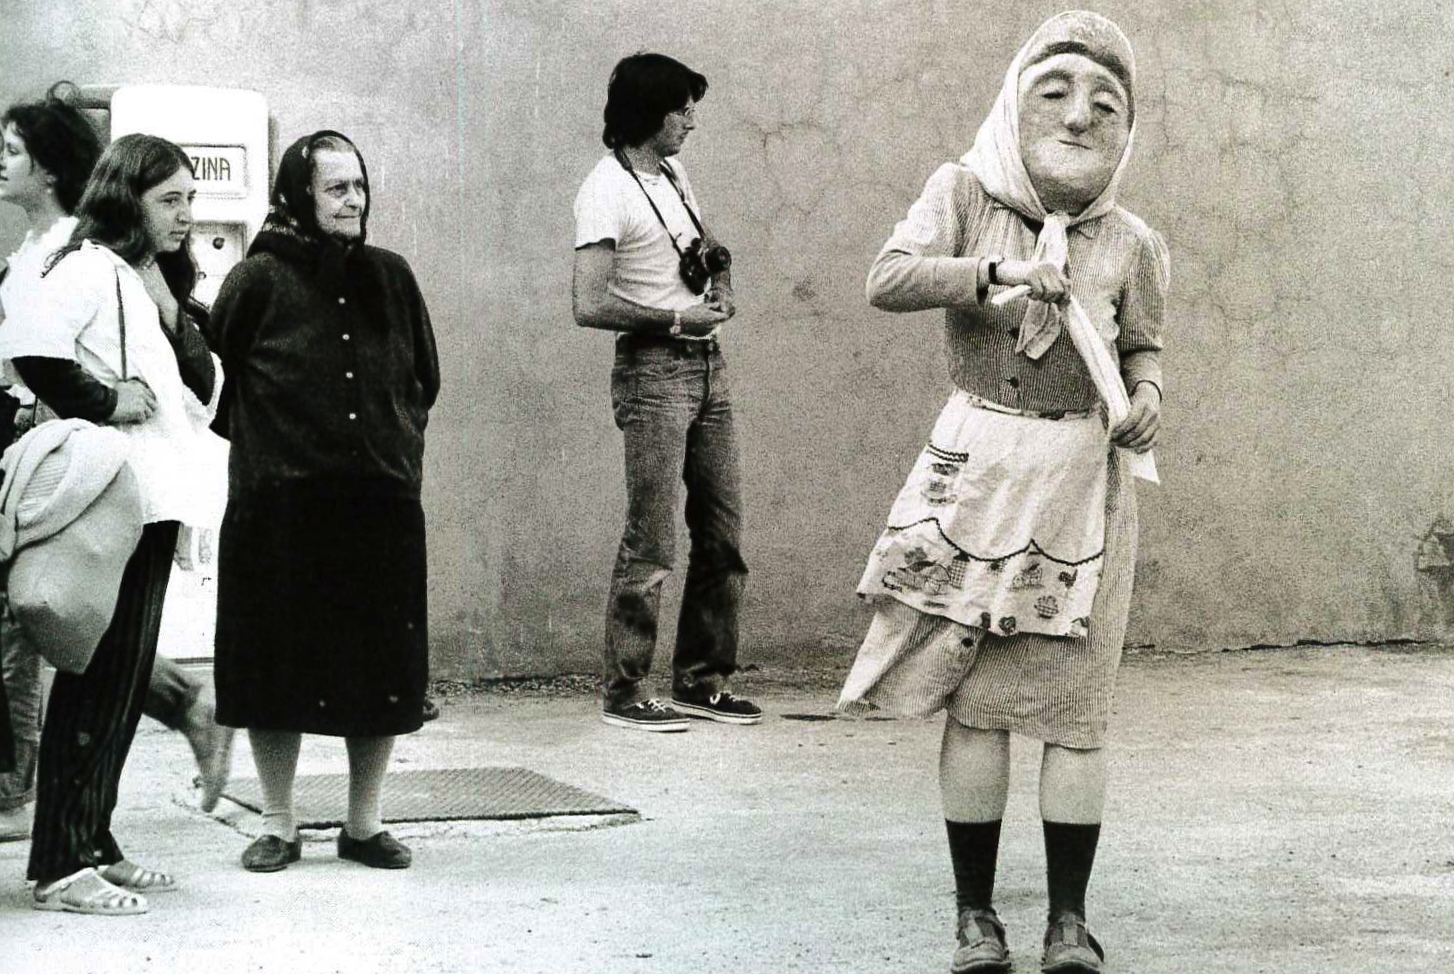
{"x": 11, "y": 804}
{"x": 633, "y": 694}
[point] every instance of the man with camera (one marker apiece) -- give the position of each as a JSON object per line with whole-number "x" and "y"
{"x": 646, "y": 267}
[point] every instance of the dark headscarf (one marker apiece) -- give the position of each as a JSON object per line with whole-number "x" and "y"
{"x": 291, "y": 229}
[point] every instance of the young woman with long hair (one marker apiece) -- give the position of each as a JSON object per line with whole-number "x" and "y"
{"x": 49, "y": 151}
{"x": 105, "y": 336}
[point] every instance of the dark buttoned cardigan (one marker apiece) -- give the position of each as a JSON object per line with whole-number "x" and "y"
{"x": 331, "y": 369}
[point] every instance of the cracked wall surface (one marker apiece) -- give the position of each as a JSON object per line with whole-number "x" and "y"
{"x": 1294, "y": 156}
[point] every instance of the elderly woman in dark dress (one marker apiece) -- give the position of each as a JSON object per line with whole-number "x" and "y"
{"x": 322, "y": 604}
{"x": 1003, "y": 580}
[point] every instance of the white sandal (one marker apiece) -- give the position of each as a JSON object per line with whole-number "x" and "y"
{"x": 86, "y": 891}
{"x": 137, "y": 879}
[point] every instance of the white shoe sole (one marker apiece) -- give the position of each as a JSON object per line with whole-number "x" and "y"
{"x": 657, "y": 726}
{"x": 707, "y": 713}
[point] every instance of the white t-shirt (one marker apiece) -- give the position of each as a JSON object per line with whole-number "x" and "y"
{"x": 610, "y": 206}
{"x": 24, "y": 269}
{"x": 28, "y": 261}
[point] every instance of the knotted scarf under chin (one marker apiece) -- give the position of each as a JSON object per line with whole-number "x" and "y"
{"x": 996, "y": 160}
{"x": 1043, "y": 321}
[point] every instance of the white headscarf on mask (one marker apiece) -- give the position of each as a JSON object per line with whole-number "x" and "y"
{"x": 995, "y": 157}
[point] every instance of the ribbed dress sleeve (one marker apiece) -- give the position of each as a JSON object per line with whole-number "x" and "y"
{"x": 919, "y": 267}
{"x": 1143, "y": 308}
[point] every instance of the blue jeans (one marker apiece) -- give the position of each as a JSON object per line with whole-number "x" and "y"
{"x": 20, "y": 668}
{"x": 672, "y": 404}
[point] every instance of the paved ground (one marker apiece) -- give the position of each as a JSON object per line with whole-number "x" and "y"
{"x": 1280, "y": 811}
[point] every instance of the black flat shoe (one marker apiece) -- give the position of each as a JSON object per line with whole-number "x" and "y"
{"x": 268, "y": 854}
{"x": 381, "y": 851}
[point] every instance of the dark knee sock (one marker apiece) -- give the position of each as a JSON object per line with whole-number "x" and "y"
{"x": 974, "y": 848}
{"x": 1070, "y": 852}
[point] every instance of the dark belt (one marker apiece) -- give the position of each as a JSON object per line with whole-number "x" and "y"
{"x": 683, "y": 346}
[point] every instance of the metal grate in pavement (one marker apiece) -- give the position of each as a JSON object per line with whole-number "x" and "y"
{"x": 445, "y": 794}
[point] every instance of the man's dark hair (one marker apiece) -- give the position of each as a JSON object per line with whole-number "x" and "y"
{"x": 643, "y": 90}
{"x": 58, "y": 139}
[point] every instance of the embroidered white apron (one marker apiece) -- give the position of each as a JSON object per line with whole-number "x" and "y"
{"x": 1001, "y": 524}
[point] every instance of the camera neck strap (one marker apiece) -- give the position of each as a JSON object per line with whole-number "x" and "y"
{"x": 671, "y": 178}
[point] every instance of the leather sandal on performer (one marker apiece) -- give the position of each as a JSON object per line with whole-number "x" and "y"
{"x": 982, "y": 945}
{"x": 129, "y": 876}
{"x": 86, "y": 892}
{"x": 1070, "y": 948}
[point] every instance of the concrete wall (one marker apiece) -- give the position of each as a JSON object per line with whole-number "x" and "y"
{"x": 1294, "y": 155}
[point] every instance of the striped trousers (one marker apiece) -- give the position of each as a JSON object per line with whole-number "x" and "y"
{"x": 92, "y": 718}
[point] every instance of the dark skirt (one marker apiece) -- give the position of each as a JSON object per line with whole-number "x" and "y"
{"x": 322, "y": 614}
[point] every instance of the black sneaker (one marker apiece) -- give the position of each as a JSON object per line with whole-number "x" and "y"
{"x": 647, "y": 715}
{"x": 722, "y": 707}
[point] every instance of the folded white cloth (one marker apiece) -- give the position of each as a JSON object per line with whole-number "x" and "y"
{"x": 51, "y": 475}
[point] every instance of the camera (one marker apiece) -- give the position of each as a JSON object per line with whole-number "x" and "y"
{"x": 699, "y": 263}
